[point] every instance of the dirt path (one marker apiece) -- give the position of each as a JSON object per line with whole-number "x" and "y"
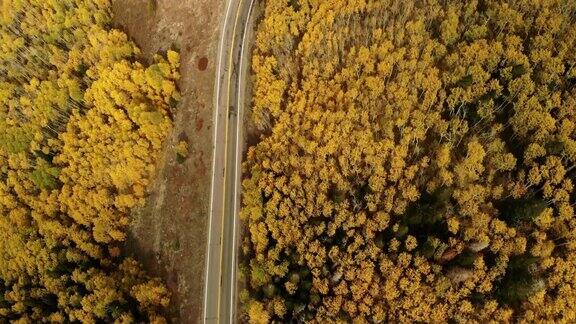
{"x": 169, "y": 234}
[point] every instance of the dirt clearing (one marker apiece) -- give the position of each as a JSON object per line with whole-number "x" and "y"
{"x": 168, "y": 235}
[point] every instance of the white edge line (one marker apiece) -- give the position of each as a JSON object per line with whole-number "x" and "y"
{"x": 214, "y": 153}
{"x": 238, "y": 164}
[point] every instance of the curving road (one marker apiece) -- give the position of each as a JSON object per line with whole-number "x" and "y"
{"x": 221, "y": 265}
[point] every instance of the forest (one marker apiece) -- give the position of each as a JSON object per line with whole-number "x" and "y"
{"x": 415, "y": 162}
{"x": 82, "y": 125}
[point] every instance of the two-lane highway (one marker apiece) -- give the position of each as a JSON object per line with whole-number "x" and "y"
{"x": 221, "y": 266}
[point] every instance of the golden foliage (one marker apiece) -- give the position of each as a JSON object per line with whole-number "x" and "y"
{"x": 419, "y": 162}
{"x": 82, "y": 125}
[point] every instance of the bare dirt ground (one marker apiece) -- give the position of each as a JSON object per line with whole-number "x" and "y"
{"x": 169, "y": 235}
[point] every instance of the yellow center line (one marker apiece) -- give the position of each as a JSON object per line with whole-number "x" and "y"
{"x": 226, "y": 166}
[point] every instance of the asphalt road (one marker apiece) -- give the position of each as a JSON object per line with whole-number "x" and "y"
{"x": 220, "y": 280}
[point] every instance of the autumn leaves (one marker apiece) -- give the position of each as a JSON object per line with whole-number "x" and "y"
{"x": 422, "y": 151}
{"x": 82, "y": 125}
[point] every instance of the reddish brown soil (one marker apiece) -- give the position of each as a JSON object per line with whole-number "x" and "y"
{"x": 168, "y": 235}
{"x": 202, "y": 63}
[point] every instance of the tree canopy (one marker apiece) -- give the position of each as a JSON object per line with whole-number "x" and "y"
{"x": 82, "y": 124}
{"x": 416, "y": 162}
